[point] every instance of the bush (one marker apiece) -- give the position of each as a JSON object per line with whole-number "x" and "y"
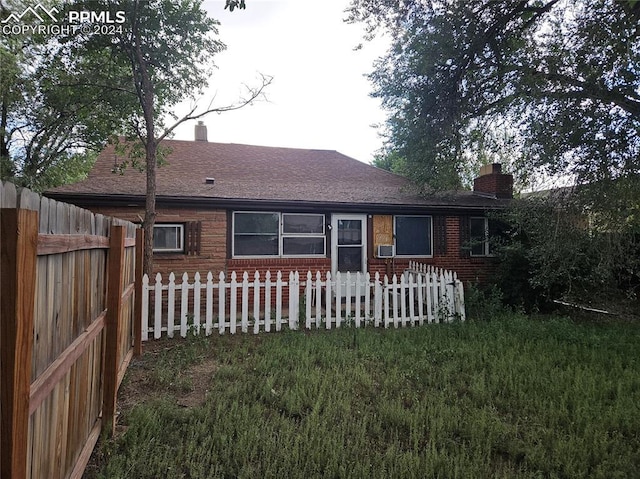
{"x": 565, "y": 247}
{"x": 484, "y": 304}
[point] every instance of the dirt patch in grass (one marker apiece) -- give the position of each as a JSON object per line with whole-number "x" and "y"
{"x": 200, "y": 376}
{"x": 189, "y": 386}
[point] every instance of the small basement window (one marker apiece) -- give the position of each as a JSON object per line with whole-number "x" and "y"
{"x": 168, "y": 238}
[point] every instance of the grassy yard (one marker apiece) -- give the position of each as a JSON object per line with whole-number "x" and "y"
{"x": 508, "y": 398}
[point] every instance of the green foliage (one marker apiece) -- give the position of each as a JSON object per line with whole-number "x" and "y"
{"x": 390, "y": 161}
{"x": 163, "y": 56}
{"x": 512, "y": 398}
{"x": 549, "y": 85}
{"x": 485, "y": 303}
{"x": 233, "y": 4}
{"x": 55, "y": 116}
{"x": 569, "y": 246}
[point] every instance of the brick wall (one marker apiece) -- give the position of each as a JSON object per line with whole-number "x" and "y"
{"x": 213, "y": 247}
{"x": 213, "y": 253}
{"x": 469, "y": 269}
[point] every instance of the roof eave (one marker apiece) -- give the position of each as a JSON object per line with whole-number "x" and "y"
{"x": 128, "y": 200}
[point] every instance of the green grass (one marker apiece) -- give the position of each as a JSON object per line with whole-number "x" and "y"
{"x": 507, "y": 398}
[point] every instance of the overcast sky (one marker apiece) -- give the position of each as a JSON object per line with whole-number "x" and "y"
{"x": 319, "y": 97}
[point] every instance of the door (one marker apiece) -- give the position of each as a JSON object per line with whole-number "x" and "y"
{"x": 348, "y": 243}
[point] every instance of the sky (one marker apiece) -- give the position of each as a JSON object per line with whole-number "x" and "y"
{"x": 319, "y": 97}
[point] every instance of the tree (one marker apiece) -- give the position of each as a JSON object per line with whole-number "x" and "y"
{"x": 560, "y": 79}
{"x": 168, "y": 48}
{"x": 390, "y": 161}
{"x": 553, "y": 87}
{"x": 53, "y": 119}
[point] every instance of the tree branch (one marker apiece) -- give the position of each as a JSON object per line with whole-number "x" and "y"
{"x": 254, "y": 94}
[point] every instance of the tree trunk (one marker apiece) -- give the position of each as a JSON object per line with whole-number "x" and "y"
{"x": 146, "y": 96}
{"x": 150, "y": 206}
{"x": 4, "y": 128}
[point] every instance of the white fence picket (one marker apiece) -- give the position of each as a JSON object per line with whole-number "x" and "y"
{"x": 222, "y": 298}
{"x": 267, "y": 301}
{"x": 308, "y": 298}
{"x": 196, "y": 303}
{"x": 338, "y": 301}
{"x": 279, "y": 301}
{"x": 377, "y": 300}
{"x": 184, "y": 306}
{"x": 422, "y": 293}
{"x": 209, "y": 313}
{"x": 157, "y": 324}
{"x": 294, "y": 299}
{"x": 256, "y": 303}
{"x": 233, "y": 302}
{"x": 145, "y": 308}
{"x": 171, "y": 305}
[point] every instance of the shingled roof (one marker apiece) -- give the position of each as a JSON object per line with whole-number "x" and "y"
{"x": 246, "y": 173}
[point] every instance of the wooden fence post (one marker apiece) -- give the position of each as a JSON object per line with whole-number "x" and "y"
{"x": 137, "y": 314}
{"x": 18, "y": 253}
{"x": 115, "y": 267}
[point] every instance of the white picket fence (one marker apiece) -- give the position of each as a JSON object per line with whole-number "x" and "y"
{"x": 422, "y": 294}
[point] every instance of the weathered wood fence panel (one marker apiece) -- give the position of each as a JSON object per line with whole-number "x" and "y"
{"x": 67, "y": 297}
{"x": 422, "y": 294}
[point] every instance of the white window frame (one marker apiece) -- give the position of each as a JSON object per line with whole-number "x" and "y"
{"x": 486, "y": 246}
{"x": 395, "y": 243}
{"x": 281, "y": 235}
{"x": 180, "y": 227}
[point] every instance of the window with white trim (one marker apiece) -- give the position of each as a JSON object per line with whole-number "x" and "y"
{"x": 479, "y": 237}
{"x": 168, "y": 238}
{"x": 413, "y": 235}
{"x": 278, "y": 234}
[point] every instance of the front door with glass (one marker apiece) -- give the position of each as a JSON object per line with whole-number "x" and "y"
{"x": 349, "y": 243}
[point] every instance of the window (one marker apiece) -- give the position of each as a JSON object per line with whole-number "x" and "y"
{"x": 168, "y": 238}
{"x": 303, "y": 235}
{"x": 255, "y": 234}
{"x": 413, "y": 235}
{"x": 278, "y": 234}
{"x": 479, "y": 236}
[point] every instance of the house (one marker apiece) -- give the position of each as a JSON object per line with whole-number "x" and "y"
{"x": 231, "y": 207}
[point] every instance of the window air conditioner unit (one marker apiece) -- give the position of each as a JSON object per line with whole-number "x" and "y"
{"x": 386, "y": 251}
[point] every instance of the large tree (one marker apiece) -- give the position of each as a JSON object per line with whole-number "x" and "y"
{"x": 553, "y": 83}
{"x": 53, "y": 117}
{"x": 167, "y": 48}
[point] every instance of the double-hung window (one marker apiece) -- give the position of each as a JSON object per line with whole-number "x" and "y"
{"x": 278, "y": 234}
{"x": 168, "y": 238}
{"x": 479, "y": 235}
{"x": 413, "y": 235}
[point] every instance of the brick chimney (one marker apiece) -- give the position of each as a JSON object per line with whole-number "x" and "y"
{"x": 493, "y": 182}
{"x": 201, "y": 131}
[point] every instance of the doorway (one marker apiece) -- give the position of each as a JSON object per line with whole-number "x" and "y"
{"x": 349, "y": 244}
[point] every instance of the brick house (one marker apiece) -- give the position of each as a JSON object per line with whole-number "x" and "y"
{"x": 232, "y": 207}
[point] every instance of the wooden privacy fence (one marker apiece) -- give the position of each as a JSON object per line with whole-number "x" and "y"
{"x": 422, "y": 294}
{"x": 67, "y": 328}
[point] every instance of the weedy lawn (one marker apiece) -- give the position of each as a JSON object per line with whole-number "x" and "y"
{"x": 515, "y": 397}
